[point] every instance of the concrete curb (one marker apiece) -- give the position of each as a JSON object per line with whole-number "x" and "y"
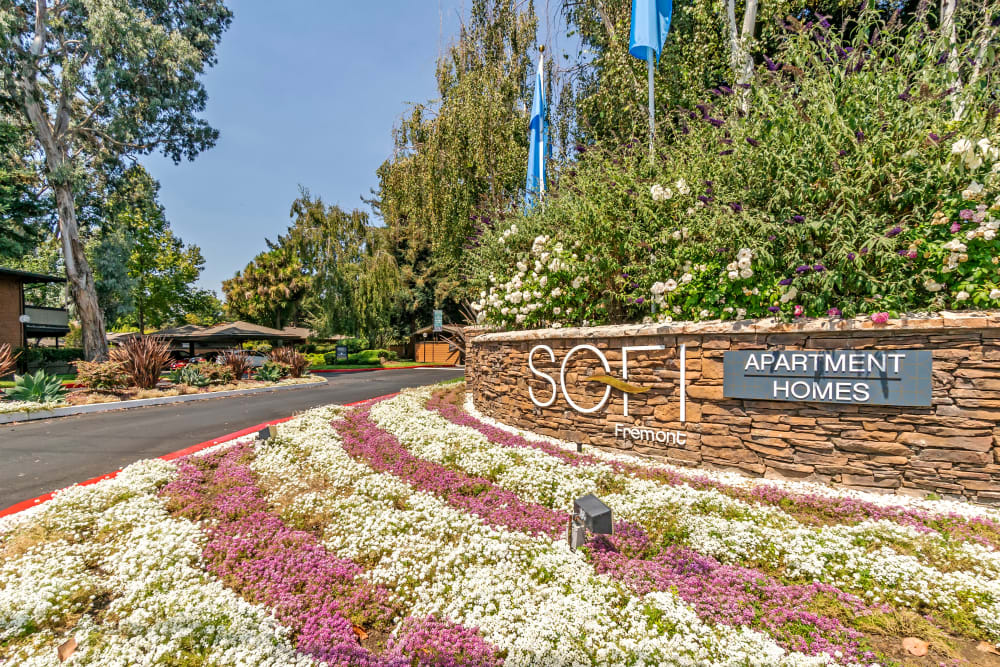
{"x": 71, "y": 410}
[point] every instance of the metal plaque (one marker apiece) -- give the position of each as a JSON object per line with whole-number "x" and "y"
{"x": 865, "y": 377}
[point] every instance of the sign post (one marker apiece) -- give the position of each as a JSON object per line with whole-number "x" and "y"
{"x": 438, "y": 321}
{"x": 341, "y": 353}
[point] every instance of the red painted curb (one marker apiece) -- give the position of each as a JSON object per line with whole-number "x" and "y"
{"x": 25, "y": 504}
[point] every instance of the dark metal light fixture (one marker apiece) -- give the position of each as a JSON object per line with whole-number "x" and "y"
{"x": 267, "y": 433}
{"x": 589, "y": 513}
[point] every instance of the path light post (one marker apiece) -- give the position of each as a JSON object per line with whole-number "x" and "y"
{"x": 589, "y": 513}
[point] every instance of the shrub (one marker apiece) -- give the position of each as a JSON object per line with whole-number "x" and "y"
{"x": 372, "y": 356}
{"x": 215, "y": 373}
{"x": 190, "y": 375}
{"x": 50, "y": 354}
{"x": 101, "y": 374}
{"x": 142, "y": 358}
{"x": 8, "y": 359}
{"x": 272, "y": 371}
{"x": 259, "y": 347}
{"x": 237, "y": 361}
{"x": 39, "y": 387}
{"x": 296, "y": 361}
{"x": 354, "y": 344}
{"x": 317, "y": 359}
{"x": 848, "y": 188}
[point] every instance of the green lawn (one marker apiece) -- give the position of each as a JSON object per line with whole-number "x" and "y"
{"x": 64, "y": 377}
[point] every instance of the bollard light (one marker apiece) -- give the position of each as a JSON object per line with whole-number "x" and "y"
{"x": 589, "y": 513}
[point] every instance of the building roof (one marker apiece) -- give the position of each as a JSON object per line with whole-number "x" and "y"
{"x": 447, "y": 328}
{"x": 305, "y": 332}
{"x": 225, "y": 332}
{"x": 29, "y": 277}
{"x": 240, "y": 329}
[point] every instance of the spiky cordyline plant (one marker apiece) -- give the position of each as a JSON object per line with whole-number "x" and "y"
{"x": 8, "y": 359}
{"x": 238, "y": 362}
{"x": 297, "y": 362}
{"x": 143, "y": 358}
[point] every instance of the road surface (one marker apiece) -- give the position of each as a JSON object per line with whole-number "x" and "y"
{"x": 41, "y": 456}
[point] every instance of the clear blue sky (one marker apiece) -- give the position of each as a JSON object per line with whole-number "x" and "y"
{"x": 304, "y": 92}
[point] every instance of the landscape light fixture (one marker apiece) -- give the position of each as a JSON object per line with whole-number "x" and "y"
{"x": 589, "y": 513}
{"x": 267, "y": 433}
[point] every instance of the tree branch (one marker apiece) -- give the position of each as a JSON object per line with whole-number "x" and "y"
{"x": 38, "y": 41}
{"x": 608, "y": 24}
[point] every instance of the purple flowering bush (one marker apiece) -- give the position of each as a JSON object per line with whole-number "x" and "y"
{"x": 859, "y": 179}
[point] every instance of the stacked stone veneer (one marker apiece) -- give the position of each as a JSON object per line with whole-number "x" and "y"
{"x": 951, "y": 448}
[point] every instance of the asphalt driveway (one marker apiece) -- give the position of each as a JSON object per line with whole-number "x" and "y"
{"x": 38, "y": 457}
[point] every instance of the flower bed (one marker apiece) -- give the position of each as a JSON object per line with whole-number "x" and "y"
{"x": 414, "y": 531}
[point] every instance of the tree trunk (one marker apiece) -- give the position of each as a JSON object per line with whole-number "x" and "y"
{"x": 80, "y": 277}
{"x": 740, "y": 59}
{"x": 57, "y": 172}
{"x": 948, "y": 29}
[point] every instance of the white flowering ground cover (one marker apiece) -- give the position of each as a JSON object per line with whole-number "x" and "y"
{"x": 416, "y": 531}
{"x": 28, "y": 406}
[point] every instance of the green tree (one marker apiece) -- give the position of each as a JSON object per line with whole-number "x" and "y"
{"x": 100, "y": 79}
{"x": 21, "y": 207}
{"x": 157, "y": 285}
{"x": 459, "y": 156}
{"x": 202, "y": 308}
{"x": 269, "y": 290}
{"x": 711, "y": 43}
{"x": 330, "y": 268}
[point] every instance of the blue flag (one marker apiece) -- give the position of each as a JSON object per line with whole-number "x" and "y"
{"x": 650, "y": 24}
{"x": 538, "y": 142}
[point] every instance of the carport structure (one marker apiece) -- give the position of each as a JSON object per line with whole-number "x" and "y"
{"x": 224, "y": 336}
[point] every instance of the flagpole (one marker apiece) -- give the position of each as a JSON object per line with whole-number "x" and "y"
{"x": 541, "y": 123}
{"x": 652, "y": 119}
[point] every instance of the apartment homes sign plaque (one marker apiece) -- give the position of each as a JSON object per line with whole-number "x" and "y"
{"x": 867, "y": 377}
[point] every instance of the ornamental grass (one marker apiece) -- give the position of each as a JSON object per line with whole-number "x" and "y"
{"x": 142, "y": 358}
{"x": 8, "y": 359}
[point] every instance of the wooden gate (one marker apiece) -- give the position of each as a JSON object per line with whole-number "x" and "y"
{"x": 435, "y": 353}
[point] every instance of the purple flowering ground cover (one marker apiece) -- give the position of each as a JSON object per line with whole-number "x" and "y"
{"x": 721, "y": 594}
{"x": 317, "y": 595}
{"x": 806, "y": 508}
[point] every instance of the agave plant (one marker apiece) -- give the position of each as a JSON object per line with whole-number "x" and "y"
{"x": 38, "y": 388}
{"x": 8, "y": 359}
{"x": 272, "y": 371}
{"x": 237, "y": 361}
{"x": 143, "y": 358}
{"x": 193, "y": 377}
{"x": 296, "y": 361}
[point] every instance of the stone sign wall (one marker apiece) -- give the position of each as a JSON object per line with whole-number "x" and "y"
{"x": 658, "y": 389}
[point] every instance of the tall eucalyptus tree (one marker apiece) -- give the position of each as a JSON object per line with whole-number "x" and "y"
{"x": 100, "y": 79}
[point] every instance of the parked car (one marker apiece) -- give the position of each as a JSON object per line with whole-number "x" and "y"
{"x": 181, "y": 363}
{"x": 256, "y": 360}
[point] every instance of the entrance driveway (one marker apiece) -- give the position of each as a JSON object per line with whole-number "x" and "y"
{"x": 38, "y": 457}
